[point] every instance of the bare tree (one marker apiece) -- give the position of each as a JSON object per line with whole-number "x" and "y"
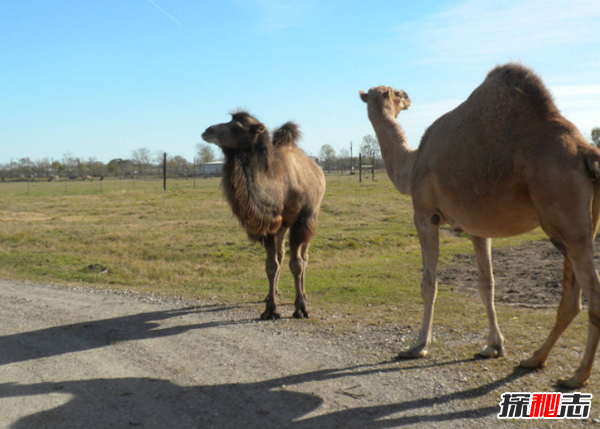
{"x": 327, "y": 154}
{"x": 181, "y": 166}
{"x": 344, "y": 159}
{"x": 596, "y": 136}
{"x": 142, "y": 158}
{"x": 370, "y": 146}
{"x": 205, "y": 153}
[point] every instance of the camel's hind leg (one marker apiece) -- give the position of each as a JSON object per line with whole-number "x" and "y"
{"x": 485, "y": 284}
{"x": 298, "y": 268}
{"x": 572, "y": 228}
{"x": 273, "y": 248}
{"x": 582, "y": 258}
{"x": 304, "y": 255}
{"x": 301, "y": 234}
{"x": 430, "y": 248}
{"x": 569, "y": 307}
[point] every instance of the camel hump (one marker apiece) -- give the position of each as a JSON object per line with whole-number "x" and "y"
{"x": 286, "y": 134}
{"x": 524, "y": 81}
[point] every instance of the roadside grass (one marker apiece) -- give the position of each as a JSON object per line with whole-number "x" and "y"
{"x": 186, "y": 242}
{"x": 365, "y": 262}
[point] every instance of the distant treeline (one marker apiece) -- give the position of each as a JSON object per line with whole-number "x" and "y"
{"x": 73, "y": 167}
{"x": 145, "y": 164}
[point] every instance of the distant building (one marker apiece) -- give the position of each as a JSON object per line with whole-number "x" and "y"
{"x": 214, "y": 168}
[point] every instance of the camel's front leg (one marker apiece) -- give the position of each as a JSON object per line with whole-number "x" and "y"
{"x": 280, "y": 252}
{"x": 485, "y": 284}
{"x": 430, "y": 247}
{"x": 272, "y": 267}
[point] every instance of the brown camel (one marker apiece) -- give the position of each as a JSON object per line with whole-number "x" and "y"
{"x": 271, "y": 186}
{"x": 502, "y": 163}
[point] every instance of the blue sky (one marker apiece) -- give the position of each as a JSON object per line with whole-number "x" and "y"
{"x": 103, "y": 78}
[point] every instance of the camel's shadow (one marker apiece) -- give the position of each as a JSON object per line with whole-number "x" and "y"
{"x": 156, "y": 403}
{"x": 95, "y": 334}
{"x": 159, "y": 403}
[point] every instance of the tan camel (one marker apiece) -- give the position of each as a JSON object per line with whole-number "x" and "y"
{"x": 502, "y": 163}
{"x": 271, "y": 186}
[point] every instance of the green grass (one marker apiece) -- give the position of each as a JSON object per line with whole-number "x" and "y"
{"x": 365, "y": 261}
{"x": 364, "y": 269}
{"x": 186, "y": 242}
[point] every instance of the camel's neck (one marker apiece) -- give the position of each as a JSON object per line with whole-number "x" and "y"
{"x": 398, "y": 157}
{"x": 255, "y": 210}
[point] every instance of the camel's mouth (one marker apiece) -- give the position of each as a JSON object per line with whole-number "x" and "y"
{"x": 209, "y": 137}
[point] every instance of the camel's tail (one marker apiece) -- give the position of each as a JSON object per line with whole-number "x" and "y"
{"x": 592, "y": 162}
{"x": 286, "y": 134}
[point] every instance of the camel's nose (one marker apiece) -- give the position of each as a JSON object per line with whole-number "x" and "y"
{"x": 209, "y": 135}
{"x": 207, "y": 132}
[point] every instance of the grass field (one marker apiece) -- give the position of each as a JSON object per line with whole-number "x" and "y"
{"x": 186, "y": 242}
{"x": 365, "y": 262}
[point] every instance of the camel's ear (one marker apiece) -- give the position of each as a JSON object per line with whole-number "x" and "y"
{"x": 257, "y": 130}
{"x": 364, "y": 96}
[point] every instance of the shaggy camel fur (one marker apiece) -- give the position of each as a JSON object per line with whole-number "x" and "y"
{"x": 502, "y": 163}
{"x": 271, "y": 187}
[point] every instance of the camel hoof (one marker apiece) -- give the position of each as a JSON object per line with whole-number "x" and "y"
{"x": 270, "y": 315}
{"x": 412, "y": 354}
{"x": 301, "y": 314}
{"x": 491, "y": 352}
{"x": 571, "y": 383}
{"x": 532, "y": 363}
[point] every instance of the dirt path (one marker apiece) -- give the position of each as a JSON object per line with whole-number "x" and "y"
{"x": 93, "y": 359}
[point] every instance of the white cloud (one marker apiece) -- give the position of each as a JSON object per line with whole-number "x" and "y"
{"x": 476, "y": 30}
{"x": 575, "y": 90}
{"x": 278, "y": 15}
{"x": 580, "y": 104}
{"x": 419, "y": 117}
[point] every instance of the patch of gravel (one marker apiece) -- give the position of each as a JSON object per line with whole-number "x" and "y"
{"x": 529, "y": 275}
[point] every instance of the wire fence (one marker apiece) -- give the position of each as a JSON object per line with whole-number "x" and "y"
{"x": 106, "y": 186}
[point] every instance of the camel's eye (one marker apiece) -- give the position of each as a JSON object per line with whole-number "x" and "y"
{"x": 386, "y": 95}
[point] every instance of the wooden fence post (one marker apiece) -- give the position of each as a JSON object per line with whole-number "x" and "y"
{"x": 165, "y": 171}
{"x": 359, "y": 167}
{"x": 373, "y": 168}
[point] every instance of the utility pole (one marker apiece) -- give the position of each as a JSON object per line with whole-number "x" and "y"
{"x": 351, "y": 160}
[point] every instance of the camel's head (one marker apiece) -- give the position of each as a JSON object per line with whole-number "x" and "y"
{"x": 386, "y": 99}
{"x": 242, "y": 132}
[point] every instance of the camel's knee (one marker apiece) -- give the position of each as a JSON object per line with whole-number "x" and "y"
{"x": 280, "y": 257}
{"x": 570, "y": 312}
{"x": 297, "y": 266}
{"x": 271, "y": 267}
{"x": 559, "y": 245}
{"x": 485, "y": 286}
{"x": 595, "y": 320}
{"x": 594, "y": 312}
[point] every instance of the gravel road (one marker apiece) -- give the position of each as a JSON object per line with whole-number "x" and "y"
{"x": 77, "y": 358}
